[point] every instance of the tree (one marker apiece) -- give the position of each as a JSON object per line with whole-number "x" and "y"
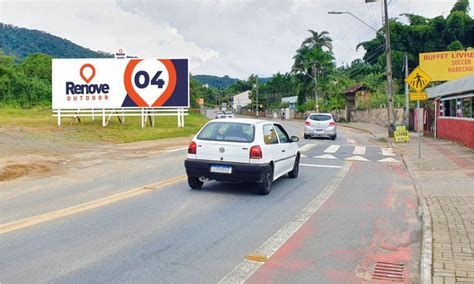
{"x": 455, "y": 45}
{"x": 318, "y": 40}
{"x": 461, "y": 6}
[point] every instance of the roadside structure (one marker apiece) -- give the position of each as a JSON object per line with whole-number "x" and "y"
{"x": 291, "y": 101}
{"x": 454, "y": 110}
{"x": 241, "y": 100}
{"x": 354, "y": 95}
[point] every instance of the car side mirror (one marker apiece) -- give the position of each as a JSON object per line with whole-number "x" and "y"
{"x": 294, "y": 139}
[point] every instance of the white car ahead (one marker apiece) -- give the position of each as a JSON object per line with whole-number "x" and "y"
{"x": 242, "y": 150}
{"x": 320, "y": 125}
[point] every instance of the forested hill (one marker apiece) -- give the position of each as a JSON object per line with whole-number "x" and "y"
{"x": 215, "y": 81}
{"x": 221, "y": 82}
{"x": 21, "y": 42}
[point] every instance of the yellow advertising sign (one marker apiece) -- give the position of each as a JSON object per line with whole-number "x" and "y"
{"x": 418, "y": 79}
{"x": 447, "y": 65}
{"x": 418, "y": 97}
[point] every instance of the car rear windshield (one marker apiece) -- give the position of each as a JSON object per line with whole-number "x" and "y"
{"x": 228, "y": 132}
{"x": 320, "y": 117}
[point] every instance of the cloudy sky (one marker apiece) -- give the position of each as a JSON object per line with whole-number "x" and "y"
{"x": 220, "y": 37}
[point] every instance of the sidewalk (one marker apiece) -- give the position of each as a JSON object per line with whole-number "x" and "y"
{"x": 376, "y": 130}
{"x": 444, "y": 176}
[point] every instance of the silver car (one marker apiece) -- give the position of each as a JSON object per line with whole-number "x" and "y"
{"x": 320, "y": 125}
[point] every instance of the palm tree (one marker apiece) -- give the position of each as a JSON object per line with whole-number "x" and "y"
{"x": 320, "y": 40}
{"x": 307, "y": 58}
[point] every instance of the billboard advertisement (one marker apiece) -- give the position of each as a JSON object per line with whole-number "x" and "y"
{"x": 110, "y": 83}
{"x": 447, "y": 65}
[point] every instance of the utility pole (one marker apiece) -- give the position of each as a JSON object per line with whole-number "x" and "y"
{"x": 315, "y": 78}
{"x": 406, "y": 118}
{"x": 388, "y": 49}
{"x": 256, "y": 89}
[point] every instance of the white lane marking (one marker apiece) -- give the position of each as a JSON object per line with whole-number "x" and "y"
{"x": 304, "y": 156}
{"x": 247, "y": 268}
{"x": 351, "y": 141}
{"x": 307, "y": 147}
{"x": 332, "y": 149}
{"x": 327, "y": 157}
{"x": 359, "y": 150}
{"x": 387, "y": 152}
{"x": 177, "y": 150}
{"x": 321, "y": 166}
{"x": 389, "y": 160}
{"x": 357, "y": 158}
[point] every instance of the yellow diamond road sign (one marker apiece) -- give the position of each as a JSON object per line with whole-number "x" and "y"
{"x": 418, "y": 97}
{"x": 418, "y": 79}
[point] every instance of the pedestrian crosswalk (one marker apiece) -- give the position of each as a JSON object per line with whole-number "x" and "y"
{"x": 359, "y": 150}
{"x": 349, "y": 152}
{"x": 332, "y": 149}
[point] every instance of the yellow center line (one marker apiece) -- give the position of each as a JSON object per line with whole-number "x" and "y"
{"x": 34, "y": 220}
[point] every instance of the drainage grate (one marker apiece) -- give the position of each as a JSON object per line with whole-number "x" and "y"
{"x": 389, "y": 271}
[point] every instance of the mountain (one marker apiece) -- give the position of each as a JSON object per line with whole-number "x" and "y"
{"x": 21, "y": 42}
{"x": 215, "y": 81}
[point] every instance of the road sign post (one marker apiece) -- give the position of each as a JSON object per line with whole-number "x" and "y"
{"x": 418, "y": 80}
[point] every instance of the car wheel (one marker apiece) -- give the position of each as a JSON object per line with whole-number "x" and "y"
{"x": 195, "y": 183}
{"x": 306, "y": 136}
{"x": 333, "y": 137}
{"x": 266, "y": 186}
{"x": 296, "y": 168}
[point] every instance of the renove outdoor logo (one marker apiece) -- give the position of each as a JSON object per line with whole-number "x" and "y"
{"x": 86, "y": 89}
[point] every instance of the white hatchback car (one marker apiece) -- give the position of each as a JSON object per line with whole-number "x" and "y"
{"x": 242, "y": 150}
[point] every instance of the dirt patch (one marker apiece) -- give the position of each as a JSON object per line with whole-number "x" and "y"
{"x": 15, "y": 171}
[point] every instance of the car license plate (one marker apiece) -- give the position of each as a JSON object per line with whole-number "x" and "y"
{"x": 221, "y": 169}
{"x": 319, "y": 131}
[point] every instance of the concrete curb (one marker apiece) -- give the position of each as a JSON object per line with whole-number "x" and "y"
{"x": 426, "y": 264}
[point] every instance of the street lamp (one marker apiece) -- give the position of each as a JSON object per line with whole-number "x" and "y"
{"x": 388, "y": 50}
{"x": 357, "y": 18}
{"x": 315, "y": 85}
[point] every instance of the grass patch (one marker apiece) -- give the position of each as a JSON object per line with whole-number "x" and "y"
{"x": 40, "y": 121}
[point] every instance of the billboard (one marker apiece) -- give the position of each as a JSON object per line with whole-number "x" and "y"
{"x": 110, "y": 83}
{"x": 447, "y": 65}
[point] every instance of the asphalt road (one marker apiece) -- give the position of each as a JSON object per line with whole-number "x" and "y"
{"x": 332, "y": 224}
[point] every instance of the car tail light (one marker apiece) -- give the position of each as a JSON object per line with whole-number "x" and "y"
{"x": 332, "y": 123}
{"x": 256, "y": 152}
{"x": 307, "y": 123}
{"x": 192, "y": 148}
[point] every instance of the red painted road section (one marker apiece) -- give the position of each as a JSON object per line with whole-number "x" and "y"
{"x": 325, "y": 250}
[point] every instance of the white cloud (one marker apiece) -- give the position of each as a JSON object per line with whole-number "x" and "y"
{"x": 234, "y": 37}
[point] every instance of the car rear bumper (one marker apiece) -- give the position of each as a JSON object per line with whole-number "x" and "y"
{"x": 327, "y": 132}
{"x": 240, "y": 172}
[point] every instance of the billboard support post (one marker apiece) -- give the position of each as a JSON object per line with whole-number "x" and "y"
{"x": 103, "y": 118}
{"x": 59, "y": 117}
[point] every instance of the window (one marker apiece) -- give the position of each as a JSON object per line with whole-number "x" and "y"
{"x": 228, "y": 132}
{"x": 452, "y": 108}
{"x": 320, "y": 117}
{"x": 460, "y": 107}
{"x": 269, "y": 134}
{"x": 282, "y": 135}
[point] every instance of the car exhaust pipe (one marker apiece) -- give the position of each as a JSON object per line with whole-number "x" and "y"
{"x": 203, "y": 179}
